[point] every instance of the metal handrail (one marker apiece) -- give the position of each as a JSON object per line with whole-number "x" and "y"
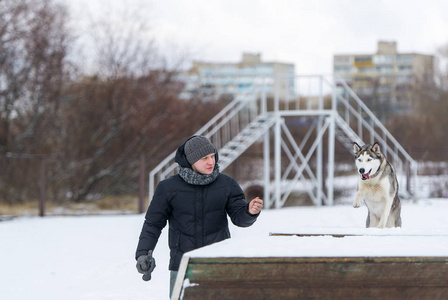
{"x": 211, "y": 130}
{"x": 378, "y": 132}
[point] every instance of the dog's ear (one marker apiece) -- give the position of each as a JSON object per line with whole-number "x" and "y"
{"x": 376, "y": 148}
{"x": 356, "y": 148}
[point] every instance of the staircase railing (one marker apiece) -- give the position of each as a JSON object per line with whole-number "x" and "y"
{"x": 356, "y": 121}
{"x": 240, "y": 119}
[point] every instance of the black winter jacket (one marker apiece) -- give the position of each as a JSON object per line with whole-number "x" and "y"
{"x": 197, "y": 214}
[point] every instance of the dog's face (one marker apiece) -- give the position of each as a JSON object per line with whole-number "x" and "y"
{"x": 368, "y": 159}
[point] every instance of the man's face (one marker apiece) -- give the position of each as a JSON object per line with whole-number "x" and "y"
{"x": 205, "y": 165}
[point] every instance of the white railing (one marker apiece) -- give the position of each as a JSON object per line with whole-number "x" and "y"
{"x": 221, "y": 130}
{"x": 369, "y": 129}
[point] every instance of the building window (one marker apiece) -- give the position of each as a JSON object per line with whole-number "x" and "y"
{"x": 385, "y": 69}
{"x": 363, "y": 61}
{"x": 365, "y": 70}
{"x": 405, "y": 59}
{"x": 405, "y": 69}
{"x": 341, "y": 59}
{"x": 342, "y": 69}
{"x": 384, "y": 59}
{"x": 404, "y": 79}
{"x": 385, "y": 89}
{"x": 363, "y": 90}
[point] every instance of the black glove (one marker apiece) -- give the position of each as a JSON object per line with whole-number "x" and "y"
{"x": 145, "y": 265}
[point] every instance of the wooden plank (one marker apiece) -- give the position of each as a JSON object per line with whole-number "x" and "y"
{"x": 330, "y": 293}
{"x": 324, "y": 270}
{"x": 318, "y": 277}
{"x": 177, "y": 289}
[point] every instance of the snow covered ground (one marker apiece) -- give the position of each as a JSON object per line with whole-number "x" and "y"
{"x": 92, "y": 257}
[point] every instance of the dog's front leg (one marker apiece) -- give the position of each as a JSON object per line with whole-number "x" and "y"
{"x": 385, "y": 213}
{"x": 358, "y": 200}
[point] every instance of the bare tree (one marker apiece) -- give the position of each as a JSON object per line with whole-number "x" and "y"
{"x": 126, "y": 106}
{"x": 32, "y": 71}
{"x": 33, "y": 48}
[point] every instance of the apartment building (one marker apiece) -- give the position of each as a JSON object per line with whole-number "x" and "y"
{"x": 385, "y": 80}
{"x": 210, "y": 80}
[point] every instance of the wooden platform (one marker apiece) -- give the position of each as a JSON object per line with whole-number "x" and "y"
{"x": 313, "y": 278}
{"x": 319, "y": 264}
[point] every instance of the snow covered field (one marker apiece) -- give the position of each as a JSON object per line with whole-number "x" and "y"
{"x": 92, "y": 257}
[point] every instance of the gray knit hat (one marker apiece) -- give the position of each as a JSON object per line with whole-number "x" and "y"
{"x": 197, "y": 147}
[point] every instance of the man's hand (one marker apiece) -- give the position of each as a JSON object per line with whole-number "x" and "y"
{"x": 255, "y": 206}
{"x": 145, "y": 265}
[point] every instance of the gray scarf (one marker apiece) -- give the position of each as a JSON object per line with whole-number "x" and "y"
{"x": 194, "y": 178}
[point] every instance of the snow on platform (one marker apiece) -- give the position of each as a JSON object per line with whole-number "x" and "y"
{"x": 368, "y": 245}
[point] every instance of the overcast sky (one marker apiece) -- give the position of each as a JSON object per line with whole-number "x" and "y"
{"x": 305, "y": 33}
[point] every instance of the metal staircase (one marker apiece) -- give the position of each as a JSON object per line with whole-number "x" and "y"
{"x": 345, "y": 134}
{"x": 238, "y": 126}
{"x": 298, "y": 161}
{"x": 246, "y": 138}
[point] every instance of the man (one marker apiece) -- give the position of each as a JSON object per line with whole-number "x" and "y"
{"x": 196, "y": 203}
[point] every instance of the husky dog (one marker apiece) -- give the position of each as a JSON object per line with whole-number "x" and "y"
{"x": 377, "y": 186}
